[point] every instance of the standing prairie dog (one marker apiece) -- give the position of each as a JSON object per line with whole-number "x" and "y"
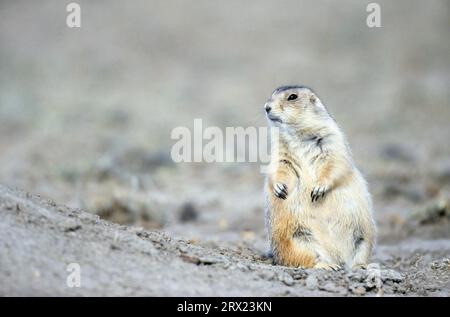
{"x": 318, "y": 207}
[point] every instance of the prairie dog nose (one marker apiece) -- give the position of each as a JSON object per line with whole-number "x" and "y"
{"x": 267, "y": 107}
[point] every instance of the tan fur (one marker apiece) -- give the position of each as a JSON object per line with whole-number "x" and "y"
{"x": 319, "y": 210}
{"x": 284, "y": 224}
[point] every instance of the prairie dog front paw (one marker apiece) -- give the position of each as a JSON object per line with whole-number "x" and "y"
{"x": 280, "y": 190}
{"x": 319, "y": 191}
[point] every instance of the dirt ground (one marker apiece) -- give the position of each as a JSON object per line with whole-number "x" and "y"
{"x": 39, "y": 239}
{"x": 86, "y": 117}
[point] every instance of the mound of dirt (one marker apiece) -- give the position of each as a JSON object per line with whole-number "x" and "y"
{"x": 40, "y": 241}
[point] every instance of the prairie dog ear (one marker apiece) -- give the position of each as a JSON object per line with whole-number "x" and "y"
{"x": 313, "y": 98}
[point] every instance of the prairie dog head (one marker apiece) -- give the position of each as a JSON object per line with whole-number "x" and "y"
{"x": 296, "y": 107}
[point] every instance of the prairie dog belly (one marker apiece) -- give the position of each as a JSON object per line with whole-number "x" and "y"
{"x": 335, "y": 225}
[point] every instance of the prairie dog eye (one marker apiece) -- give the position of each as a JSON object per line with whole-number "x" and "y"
{"x": 292, "y": 97}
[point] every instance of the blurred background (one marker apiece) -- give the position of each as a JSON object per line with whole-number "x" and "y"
{"x": 86, "y": 113}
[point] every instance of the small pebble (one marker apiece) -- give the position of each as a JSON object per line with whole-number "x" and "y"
{"x": 287, "y": 279}
{"x": 311, "y": 282}
{"x": 359, "y": 290}
{"x": 188, "y": 213}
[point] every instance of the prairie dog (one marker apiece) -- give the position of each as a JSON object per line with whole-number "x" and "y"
{"x": 318, "y": 207}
